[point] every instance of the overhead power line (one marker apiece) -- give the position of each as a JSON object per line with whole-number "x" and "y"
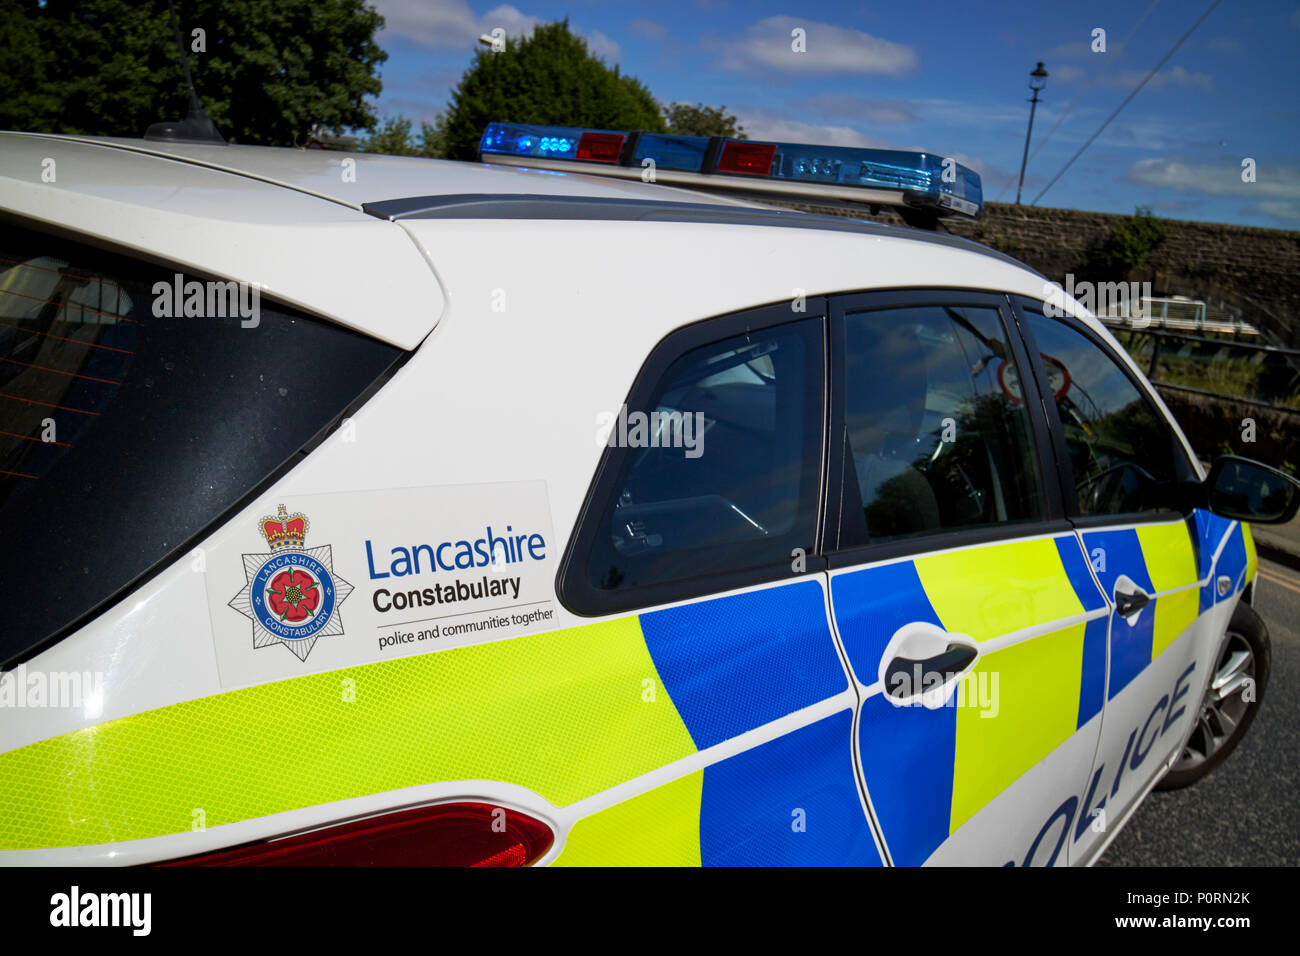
{"x": 1155, "y": 69}
{"x": 1108, "y": 62}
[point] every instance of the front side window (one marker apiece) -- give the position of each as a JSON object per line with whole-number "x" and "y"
{"x": 1122, "y": 452}
{"x": 938, "y": 436}
{"x": 716, "y": 468}
{"x": 136, "y": 407}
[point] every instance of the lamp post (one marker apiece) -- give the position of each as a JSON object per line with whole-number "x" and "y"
{"x": 488, "y": 42}
{"x": 1037, "y": 80}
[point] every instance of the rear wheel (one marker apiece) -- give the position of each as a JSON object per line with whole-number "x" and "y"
{"x": 1231, "y": 701}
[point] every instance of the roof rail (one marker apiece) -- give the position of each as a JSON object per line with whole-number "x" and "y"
{"x": 536, "y": 206}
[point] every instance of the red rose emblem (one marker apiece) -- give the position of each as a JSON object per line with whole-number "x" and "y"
{"x": 293, "y": 595}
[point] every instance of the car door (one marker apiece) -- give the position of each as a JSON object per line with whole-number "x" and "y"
{"x": 974, "y": 631}
{"x": 705, "y": 551}
{"x": 1126, "y": 475}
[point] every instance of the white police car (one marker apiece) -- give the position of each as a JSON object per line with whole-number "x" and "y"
{"x": 366, "y": 509}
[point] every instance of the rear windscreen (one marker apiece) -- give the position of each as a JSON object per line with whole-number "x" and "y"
{"x": 137, "y": 406}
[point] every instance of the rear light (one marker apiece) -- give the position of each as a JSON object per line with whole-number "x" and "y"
{"x": 449, "y": 834}
{"x": 601, "y": 147}
{"x": 752, "y": 159}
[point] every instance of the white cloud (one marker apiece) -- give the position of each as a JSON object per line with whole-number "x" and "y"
{"x": 1065, "y": 74}
{"x": 1272, "y": 183}
{"x": 453, "y": 24}
{"x": 1081, "y": 49}
{"x": 1228, "y": 46}
{"x": 859, "y": 108}
{"x": 603, "y": 47}
{"x": 648, "y": 29}
{"x": 449, "y": 23}
{"x": 774, "y": 127}
{"x": 1278, "y": 209}
{"x": 1179, "y": 78}
{"x": 982, "y": 116}
{"x": 768, "y": 43}
{"x": 416, "y": 110}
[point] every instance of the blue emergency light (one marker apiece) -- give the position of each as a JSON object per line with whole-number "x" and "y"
{"x": 892, "y": 177}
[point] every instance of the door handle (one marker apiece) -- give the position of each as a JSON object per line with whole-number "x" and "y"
{"x": 1129, "y": 598}
{"x": 1127, "y": 603}
{"x": 905, "y": 676}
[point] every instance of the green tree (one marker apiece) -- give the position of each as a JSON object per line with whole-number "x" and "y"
{"x": 701, "y": 120}
{"x": 25, "y": 67}
{"x": 433, "y": 137}
{"x": 549, "y": 78}
{"x": 268, "y": 70}
{"x": 1128, "y": 246}
{"x": 394, "y": 138}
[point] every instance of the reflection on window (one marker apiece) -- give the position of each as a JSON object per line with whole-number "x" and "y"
{"x": 721, "y": 469}
{"x": 66, "y": 340}
{"x": 938, "y": 431}
{"x": 1121, "y": 451}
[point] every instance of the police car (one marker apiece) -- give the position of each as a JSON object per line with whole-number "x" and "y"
{"x": 362, "y": 509}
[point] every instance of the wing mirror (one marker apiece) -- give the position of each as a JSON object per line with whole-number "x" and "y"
{"x": 1249, "y": 491}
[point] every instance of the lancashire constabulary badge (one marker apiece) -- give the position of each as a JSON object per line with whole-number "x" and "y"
{"x": 292, "y": 594}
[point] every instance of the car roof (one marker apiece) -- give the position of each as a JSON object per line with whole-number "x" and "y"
{"x": 374, "y": 177}
{"x": 227, "y": 211}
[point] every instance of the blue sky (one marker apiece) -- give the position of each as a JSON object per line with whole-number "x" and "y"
{"x": 949, "y": 78}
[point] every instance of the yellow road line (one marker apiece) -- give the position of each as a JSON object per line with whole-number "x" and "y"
{"x": 1273, "y": 578}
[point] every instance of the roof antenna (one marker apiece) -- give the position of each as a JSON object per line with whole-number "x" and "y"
{"x": 195, "y": 128}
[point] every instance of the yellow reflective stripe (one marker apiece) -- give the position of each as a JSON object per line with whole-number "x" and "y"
{"x": 1167, "y": 551}
{"x": 560, "y": 713}
{"x": 1035, "y": 687}
{"x": 1032, "y": 687}
{"x": 1171, "y": 563}
{"x": 1175, "y": 613}
{"x": 1252, "y": 559}
{"x": 658, "y": 828}
{"x": 990, "y": 591}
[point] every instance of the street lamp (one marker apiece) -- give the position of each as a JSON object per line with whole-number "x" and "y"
{"x": 1037, "y": 80}
{"x": 490, "y": 43}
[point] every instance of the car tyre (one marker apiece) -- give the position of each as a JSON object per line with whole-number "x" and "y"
{"x": 1231, "y": 701}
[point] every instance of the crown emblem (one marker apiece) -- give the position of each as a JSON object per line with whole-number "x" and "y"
{"x": 285, "y": 531}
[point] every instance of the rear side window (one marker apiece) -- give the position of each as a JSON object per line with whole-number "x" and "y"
{"x": 938, "y": 436}
{"x": 714, "y": 469}
{"x": 1125, "y": 457}
{"x": 125, "y": 432}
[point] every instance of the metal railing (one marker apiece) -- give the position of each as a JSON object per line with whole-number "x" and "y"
{"x": 1190, "y": 353}
{"x": 1177, "y": 313}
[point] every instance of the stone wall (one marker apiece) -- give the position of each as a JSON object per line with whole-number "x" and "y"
{"x": 1256, "y": 271}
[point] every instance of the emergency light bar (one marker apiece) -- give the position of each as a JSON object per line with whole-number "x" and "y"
{"x": 922, "y": 181}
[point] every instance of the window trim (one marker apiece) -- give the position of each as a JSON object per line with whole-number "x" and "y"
{"x": 572, "y": 587}
{"x": 1053, "y": 520}
{"x": 1020, "y": 306}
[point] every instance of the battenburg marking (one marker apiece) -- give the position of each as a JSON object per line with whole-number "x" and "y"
{"x": 292, "y": 594}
